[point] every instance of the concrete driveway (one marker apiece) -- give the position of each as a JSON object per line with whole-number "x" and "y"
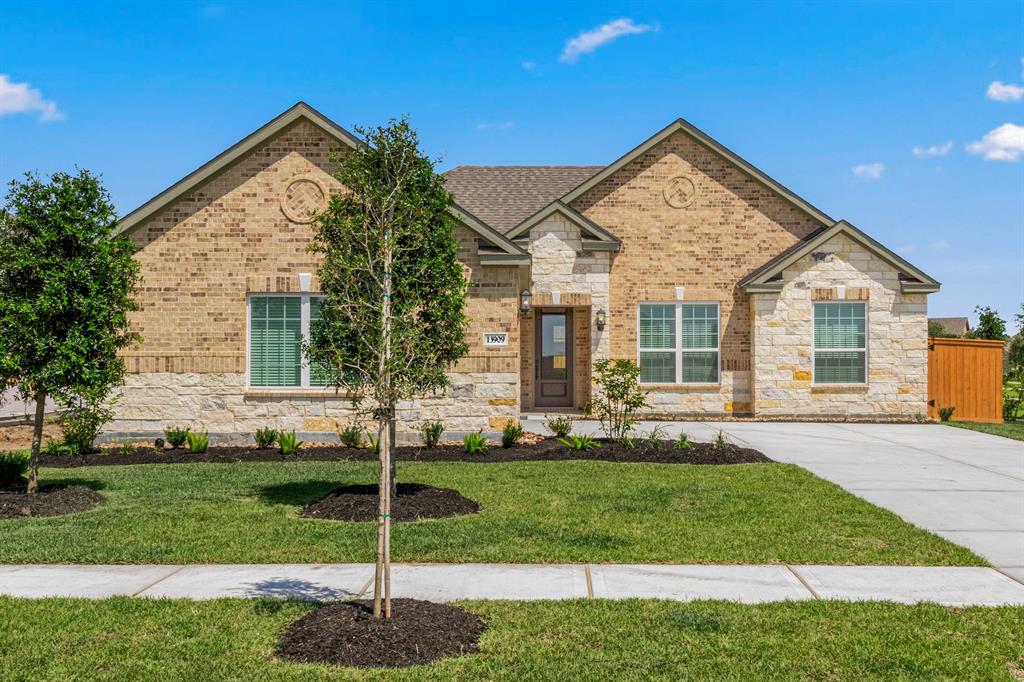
{"x": 967, "y": 487}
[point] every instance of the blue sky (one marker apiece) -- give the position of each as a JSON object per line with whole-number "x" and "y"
{"x": 831, "y": 99}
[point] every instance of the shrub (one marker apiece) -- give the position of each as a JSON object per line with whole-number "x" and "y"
{"x": 432, "y": 433}
{"x": 374, "y": 441}
{"x": 176, "y": 437}
{"x": 656, "y": 435}
{"x": 683, "y": 442}
{"x": 81, "y": 420}
{"x": 560, "y": 426}
{"x": 289, "y": 443}
{"x": 265, "y": 438}
{"x": 946, "y": 412}
{"x": 579, "y": 443}
{"x": 13, "y": 467}
{"x": 511, "y": 433}
{"x": 198, "y": 443}
{"x": 475, "y": 443}
{"x": 627, "y": 442}
{"x": 351, "y": 436}
{"x": 58, "y": 448}
{"x": 721, "y": 442}
{"x": 618, "y": 396}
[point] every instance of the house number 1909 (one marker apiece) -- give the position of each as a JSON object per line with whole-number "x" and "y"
{"x": 493, "y": 339}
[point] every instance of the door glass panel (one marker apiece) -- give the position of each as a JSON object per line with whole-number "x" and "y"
{"x": 553, "y": 356}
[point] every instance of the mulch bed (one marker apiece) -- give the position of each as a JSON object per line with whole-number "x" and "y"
{"x": 413, "y": 501}
{"x": 51, "y": 500}
{"x": 546, "y": 450}
{"x": 347, "y": 634}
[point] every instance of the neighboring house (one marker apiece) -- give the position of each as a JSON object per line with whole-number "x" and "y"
{"x": 736, "y": 296}
{"x": 957, "y": 326}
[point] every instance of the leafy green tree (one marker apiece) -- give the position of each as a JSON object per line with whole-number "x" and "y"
{"x": 393, "y": 319}
{"x": 937, "y": 331}
{"x": 990, "y": 325}
{"x": 66, "y": 290}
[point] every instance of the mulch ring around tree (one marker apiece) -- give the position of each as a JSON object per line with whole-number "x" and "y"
{"x": 347, "y": 634}
{"x": 413, "y": 501}
{"x": 549, "y": 449}
{"x": 51, "y": 500}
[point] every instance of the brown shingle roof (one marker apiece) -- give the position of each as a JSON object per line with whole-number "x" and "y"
{"x": 504, "y": 196}
{"x": 953, "y": 325}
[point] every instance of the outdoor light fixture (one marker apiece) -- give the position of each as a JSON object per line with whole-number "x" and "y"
{"x": 524, "y": 301}
{"x": 600, "y": 319}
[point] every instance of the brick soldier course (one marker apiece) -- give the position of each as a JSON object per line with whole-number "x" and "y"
{"x": 679, "y": 218}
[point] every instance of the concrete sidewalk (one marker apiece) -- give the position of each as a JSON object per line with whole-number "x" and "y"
{"x": 952, "y": 586}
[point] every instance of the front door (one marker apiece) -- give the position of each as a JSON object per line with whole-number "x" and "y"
{"x": 554, "y": 358}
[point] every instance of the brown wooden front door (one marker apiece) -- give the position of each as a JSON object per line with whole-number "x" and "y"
{"x": 553, "y": 353}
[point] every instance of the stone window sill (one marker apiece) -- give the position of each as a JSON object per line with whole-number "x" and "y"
{"x": 680, "y": 388}
{"x": 840, "y": 388}
{"x": 293, "y": 393}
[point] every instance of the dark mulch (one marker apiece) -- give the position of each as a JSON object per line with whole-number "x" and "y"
{"x": 413, "y": 501}
{"x": 347, "y": 634}
{"x": 546, "y": 450}
{"x": 51, "y": 500}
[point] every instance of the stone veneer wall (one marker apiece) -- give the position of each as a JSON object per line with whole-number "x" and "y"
{"x": 205, "y": 253}
{"x": 730, "y": 226}
{"x": 580, "y": 279}
{"x": 897, "y": 382}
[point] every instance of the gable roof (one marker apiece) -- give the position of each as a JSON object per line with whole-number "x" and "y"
{"x": 298, "y": 112}
{"x": 504, "y": 196}
{"x": 681, "y": 125}
{"x": 599, "y": 239}
{"x": 953, "y": 325}
{"x": 765, "y": 278}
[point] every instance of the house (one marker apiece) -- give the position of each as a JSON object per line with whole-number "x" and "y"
{"x": 954, "y": 326}
{"x": 735, "y": 295}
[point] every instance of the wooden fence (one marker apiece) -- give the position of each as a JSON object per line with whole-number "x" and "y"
{"x": 966, "y": 374}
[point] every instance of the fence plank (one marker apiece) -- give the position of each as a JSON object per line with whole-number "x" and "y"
{"x": 966, "y": 374}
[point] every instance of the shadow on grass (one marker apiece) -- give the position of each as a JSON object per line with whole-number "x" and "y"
{"x": 70, "y": 481}
{"x": 297, "y": 493}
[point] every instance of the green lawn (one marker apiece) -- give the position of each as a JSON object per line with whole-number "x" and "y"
{"x": 142, "y": 639}
{"x": 1014, "y": 430}
{"x": 532, "y": 512}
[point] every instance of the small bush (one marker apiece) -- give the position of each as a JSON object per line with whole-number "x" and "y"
{"x": 945, "y": 413}
{"x": 13, "y": 467}
{"x": 81, "y": 421}
{"x": 721, "y": 442}
{"x": 198, "y": 443}
{"x": 618, "y": 396}
{"x": 126, "y": 448}
{"x": 656, "y": 435}
{"x": 176, "y": 437}
{"x": 511, "y": 433}
{"x": 683, "y": 442}
{"x": 579, "y": 443}
{"x": 432, "y": 433}
{"x": 289, "y": 443}
{"x": 351, "y": 436}
{"x": 265, "y": 438}
{"x": 560, "y": 426}
{"x": 59, "y": 448}
{"x": 627, "y": 442}
{"x": 374, "y": 441}
{"x": 475, "y": 443}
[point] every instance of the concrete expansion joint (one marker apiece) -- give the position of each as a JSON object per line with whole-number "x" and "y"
{"x": 803, "y": 582}
{"x": 157, "y": 581}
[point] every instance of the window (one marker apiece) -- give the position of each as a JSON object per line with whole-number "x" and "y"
{"x": 277, "y": 326}
{"x": 678, "y": 343}
{"x": 840, "y": 348}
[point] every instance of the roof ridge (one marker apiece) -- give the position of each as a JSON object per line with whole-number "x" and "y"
{"x": 587, "y": 166}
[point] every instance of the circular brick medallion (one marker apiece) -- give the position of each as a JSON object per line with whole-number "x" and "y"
{"x": 680, "y": 192}
{"x": 301, "y": 199}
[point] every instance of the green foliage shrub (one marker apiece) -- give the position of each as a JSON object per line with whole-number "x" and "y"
{"x": 176, "y": 436}
{"x": 558, "y": 425}
{"x": 511, "y": 433}
{"x": 579, "y": 443}
{"x": 432, "y": 433}
{"x": 265, "y": 438}
{"x": 618, "y": 396}
{"x": 198, "y": 443}
{"x": 475, "y": 443}
{"x": 289, "y": 443}
{"x": 945, "y": 413}
{"x": 81, "y": 421}
{"x": 351, "y": 436}
{"x": 13, "y": 467}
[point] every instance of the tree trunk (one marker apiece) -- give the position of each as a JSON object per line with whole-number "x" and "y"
{"x": 387, "y": 448}
{"x": 382, "y": 496}
{"x": 394, "y": 439}
{"x": 37, "y": 442}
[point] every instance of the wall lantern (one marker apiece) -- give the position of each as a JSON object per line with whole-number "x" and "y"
{"x": 600, "y": 319}
{"x": 524, "y": 301}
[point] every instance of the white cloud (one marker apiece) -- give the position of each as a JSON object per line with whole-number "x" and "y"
{"x": 1005, "y": 92}
{"x": 20, "y": 98}
{"x": 501, "y": 125}
{"x": 588, "y": 41}
{"x": 869, "y": 171}
{"x": 1005, "y": 143}
{"x": 934, "y": 150}
{"x": 529, "y": 66}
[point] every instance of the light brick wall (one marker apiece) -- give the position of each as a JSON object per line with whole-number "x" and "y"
{"x": 897, "y": 325}
{"x": 204, "y": 254}
{"x": 733, "y": 226}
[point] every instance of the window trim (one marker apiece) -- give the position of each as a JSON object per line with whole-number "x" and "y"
{"x": 304, "y": 321}
{"x": 815, "y": 351}
{"x": 678, "y": 351}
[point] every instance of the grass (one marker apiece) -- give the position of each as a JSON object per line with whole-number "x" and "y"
{"x": 532, "y": 512}
{"x": 1014, "y": 430}
{"x": 142, "y": 639}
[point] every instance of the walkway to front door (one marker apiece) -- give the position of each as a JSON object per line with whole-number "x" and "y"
{"x": 554, "y": 345}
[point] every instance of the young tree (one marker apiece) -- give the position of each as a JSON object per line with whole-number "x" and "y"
{"x": 66, "y": 287}
{"x": 990, "y": 325}
{"x": 392, "y": 322}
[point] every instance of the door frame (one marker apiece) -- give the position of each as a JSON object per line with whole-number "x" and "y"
{"x": 570, "y": 340}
